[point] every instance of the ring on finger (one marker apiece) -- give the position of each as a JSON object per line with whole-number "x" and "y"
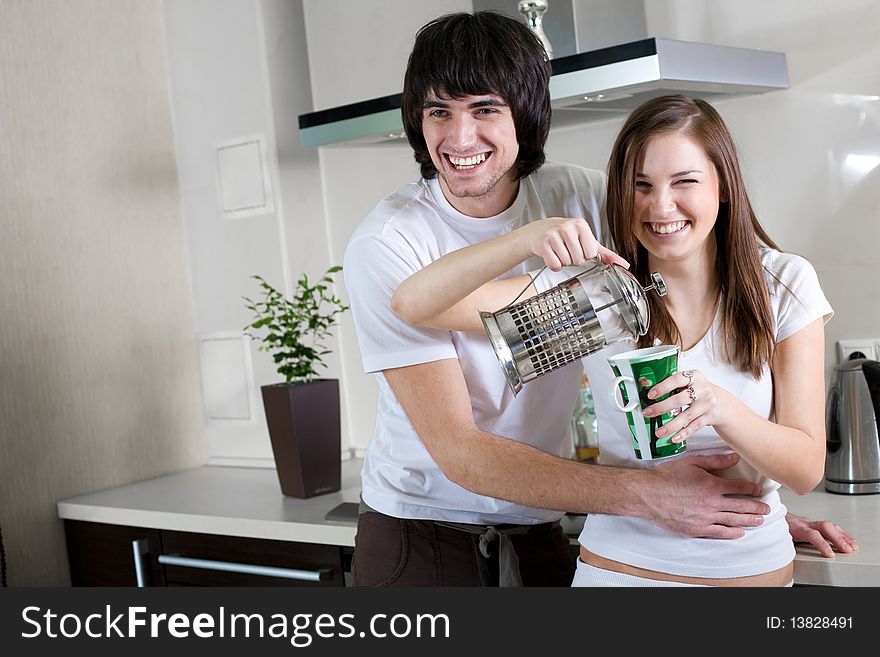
{"x": 691, "y": 393}
{"x": 688, "y": 374}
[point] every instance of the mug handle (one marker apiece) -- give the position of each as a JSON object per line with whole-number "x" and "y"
{"x": 618, "y": 402}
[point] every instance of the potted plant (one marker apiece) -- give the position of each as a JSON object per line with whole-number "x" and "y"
{"x": 302, "y": 413}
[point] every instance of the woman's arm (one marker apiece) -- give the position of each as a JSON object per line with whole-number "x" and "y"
{"x": 790, "y": 450}
{"x": 450, "y": 292}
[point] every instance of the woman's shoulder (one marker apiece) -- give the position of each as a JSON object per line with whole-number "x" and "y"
{"x": 782, "y": 267}
{"x": 790, "y": 276}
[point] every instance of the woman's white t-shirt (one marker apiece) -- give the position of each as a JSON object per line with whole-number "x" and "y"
{"x": 797, "y": 300}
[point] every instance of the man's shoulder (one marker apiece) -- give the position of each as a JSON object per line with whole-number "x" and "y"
{"x": 394, "y": 210}
{"x": 569, "y": 188}
{"x": 395, "y": 220}
{"x": 562, "y": 175}
{"x": 555, "y": 165}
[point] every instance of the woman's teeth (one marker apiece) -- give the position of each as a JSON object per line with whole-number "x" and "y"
{"x": 467, "y": 162}
{"x": 667, "y": 228}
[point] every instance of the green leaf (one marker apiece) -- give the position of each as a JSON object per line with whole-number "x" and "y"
{"x": 292, "y": 329}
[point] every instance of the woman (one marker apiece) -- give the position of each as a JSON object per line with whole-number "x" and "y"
{"x": 749, "y": 321}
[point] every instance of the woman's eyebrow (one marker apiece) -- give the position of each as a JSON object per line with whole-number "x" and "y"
{"x": 674, "y": 175}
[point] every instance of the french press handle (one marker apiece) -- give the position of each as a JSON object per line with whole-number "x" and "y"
{"x": 658, "y": 284}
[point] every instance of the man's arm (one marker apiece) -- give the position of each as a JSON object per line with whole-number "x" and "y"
{"x": 681, "y": 496}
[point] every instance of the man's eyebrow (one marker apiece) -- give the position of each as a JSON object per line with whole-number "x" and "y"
{"x": 489, "y": 102}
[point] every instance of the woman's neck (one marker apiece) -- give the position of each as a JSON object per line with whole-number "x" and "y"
{"x": 691, "y": 280}
{"x": 692, "y": 296}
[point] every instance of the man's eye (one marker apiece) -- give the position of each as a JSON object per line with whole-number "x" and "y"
{"x": 438, "y": 113}
{"x": 487, "y": 110}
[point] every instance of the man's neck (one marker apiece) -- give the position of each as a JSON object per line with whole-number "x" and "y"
{"x": 500, "y": 197}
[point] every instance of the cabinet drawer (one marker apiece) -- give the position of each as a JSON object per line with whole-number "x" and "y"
{"x": 190, "y": 559}
{"x": 104, "y": 555}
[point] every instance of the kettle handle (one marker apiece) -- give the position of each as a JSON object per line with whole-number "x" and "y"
{"x": 832, "y": 425}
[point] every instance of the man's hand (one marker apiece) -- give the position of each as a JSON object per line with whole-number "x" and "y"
{"x": 565, "y": 242}
{"x": 824, "y": 535}
{"x": 687, "y": 498}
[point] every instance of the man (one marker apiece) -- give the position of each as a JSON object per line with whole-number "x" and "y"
{"x": 463, "y": 484}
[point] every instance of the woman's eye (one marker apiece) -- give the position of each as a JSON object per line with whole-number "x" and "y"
{"x": 686, "y": 181}
{"x": 641, "y": 184}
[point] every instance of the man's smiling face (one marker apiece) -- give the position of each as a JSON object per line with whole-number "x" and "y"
{"x": 473, "y": 145}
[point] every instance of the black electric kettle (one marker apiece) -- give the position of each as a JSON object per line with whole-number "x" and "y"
{"x": 852, "y": 464}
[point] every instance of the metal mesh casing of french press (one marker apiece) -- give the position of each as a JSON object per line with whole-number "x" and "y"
{"x": 600, "y": 305}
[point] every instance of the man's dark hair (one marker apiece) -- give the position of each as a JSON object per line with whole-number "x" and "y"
{"x": 476, "y": 54}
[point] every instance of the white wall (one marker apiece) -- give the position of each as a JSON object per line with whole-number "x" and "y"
{"x": 239, "y": 69}
{"x": 358, "y": 50}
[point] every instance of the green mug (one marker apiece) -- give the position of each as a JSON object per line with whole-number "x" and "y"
{"x": 636, "y": 372}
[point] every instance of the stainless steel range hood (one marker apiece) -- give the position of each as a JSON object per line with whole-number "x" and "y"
{"x": 586, "y": 86}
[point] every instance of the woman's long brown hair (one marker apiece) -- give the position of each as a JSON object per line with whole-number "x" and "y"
{"x": 747, "y": 327}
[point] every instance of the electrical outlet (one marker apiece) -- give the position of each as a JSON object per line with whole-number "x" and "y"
{"x": 866, "y": 346}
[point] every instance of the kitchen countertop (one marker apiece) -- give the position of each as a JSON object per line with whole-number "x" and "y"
{"x": 247, "y": 502}
{"x": 857, "y": 514}
{"x": 230, "y": 501}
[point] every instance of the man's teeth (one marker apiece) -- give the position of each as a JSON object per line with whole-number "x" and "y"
{"x": 671, "y": 227}
{"x": 467, "y": 162}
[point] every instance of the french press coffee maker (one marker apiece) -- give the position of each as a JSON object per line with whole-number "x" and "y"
{"x": 601, "y": 305}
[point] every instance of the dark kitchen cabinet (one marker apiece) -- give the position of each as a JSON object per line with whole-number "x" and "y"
{"x": 103, "y": 555}
{"x": 114, "y": 555}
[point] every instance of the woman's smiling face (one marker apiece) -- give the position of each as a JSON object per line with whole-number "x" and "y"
{"x": 677, "y": 197}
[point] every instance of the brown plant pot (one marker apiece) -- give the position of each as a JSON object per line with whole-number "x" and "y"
{"x": 304, "y": 427}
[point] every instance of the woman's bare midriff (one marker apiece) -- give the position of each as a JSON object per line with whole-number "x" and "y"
{"x": 780, "y": 577}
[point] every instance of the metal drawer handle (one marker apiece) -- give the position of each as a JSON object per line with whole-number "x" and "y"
{"x": 247, "y": 568}
{"x": 140, "y": 547}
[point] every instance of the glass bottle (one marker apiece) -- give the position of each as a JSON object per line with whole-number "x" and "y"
{"x": 584, "y": 427}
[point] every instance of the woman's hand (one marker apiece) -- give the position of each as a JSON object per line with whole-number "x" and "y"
{"x": 699, "y": 399}
{"x": 824, "y": 535}
{"x": 564, "y": 242}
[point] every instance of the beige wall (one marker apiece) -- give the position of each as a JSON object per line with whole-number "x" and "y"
{"x": 99, "y": 378}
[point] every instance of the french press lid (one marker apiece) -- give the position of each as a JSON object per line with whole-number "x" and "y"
{"x": 634, "y": 309}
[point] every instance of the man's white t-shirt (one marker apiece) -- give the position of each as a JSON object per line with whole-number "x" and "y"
{"x": 796, "y": 300}
{"x": 405, "y": 232}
